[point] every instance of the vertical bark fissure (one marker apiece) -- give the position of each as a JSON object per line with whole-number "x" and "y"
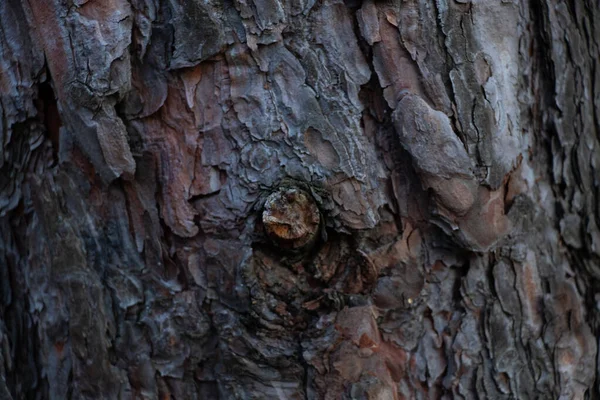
{"x": 451, "y": 266}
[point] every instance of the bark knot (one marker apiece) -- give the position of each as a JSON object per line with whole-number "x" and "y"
{"x": 291, "y": 218}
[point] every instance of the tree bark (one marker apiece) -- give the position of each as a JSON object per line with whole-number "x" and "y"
{"x": 299, "y": 199}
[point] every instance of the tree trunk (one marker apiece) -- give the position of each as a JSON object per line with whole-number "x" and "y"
{"x": 299, "y": 199}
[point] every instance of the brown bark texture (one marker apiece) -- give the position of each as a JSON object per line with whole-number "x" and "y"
{"x": 299, "y": 199}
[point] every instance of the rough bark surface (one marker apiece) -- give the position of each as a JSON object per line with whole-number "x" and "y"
{"x": 451, "y": 147}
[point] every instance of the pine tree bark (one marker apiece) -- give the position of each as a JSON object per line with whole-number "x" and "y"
{"x": 299, "y": 199}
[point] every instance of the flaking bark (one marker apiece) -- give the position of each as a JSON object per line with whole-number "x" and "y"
{"x": 452, "y": 148}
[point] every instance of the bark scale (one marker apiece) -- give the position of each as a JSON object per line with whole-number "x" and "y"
{"x": 451, "y": 149}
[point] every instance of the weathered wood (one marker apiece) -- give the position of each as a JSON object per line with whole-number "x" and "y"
{"x": 451, "y": 147}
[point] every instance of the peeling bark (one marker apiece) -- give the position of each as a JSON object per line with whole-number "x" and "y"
{"x": 451, "y": 149}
